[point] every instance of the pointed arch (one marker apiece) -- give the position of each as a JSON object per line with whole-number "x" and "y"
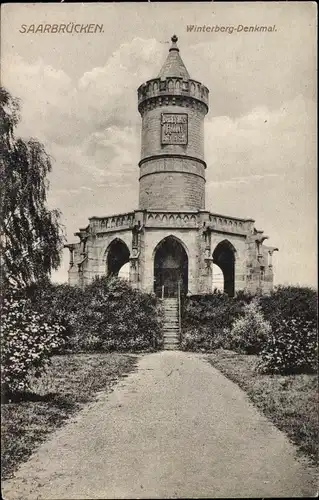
{"x": 116, "y": 255}
{"x": 170, "y": 258}
{"x": 224, "y": 256}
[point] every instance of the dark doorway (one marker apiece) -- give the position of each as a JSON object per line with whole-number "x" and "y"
{"x": 170, "y": 268}
{"x": 224, "y": 258}
{"x": 117, "y": 255}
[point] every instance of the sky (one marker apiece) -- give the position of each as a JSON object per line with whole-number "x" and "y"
{"x": 78, "y": 95}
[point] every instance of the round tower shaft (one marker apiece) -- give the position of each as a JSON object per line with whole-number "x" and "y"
{"x": 172, "y": 167}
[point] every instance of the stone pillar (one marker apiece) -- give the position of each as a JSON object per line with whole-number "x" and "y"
{"x": 71, "y": 250}
{"x": 256, "y": 262}
{"x": 134, "y": 257}
{"x": 204, "y": 261}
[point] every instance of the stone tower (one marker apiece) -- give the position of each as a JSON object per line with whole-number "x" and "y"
{"x": 171, "y": 240}
{"x": 172, "y": 166}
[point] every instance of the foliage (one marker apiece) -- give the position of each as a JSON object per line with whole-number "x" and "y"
{"x": 248, "y": 333}
{"x": 107, "y": 315}
{"x": 290, "y": 302}
{"x": 27, "y": 342}
{"x": 291, "y": 348}
{"x": 208, "y": 318}
{"x": 59, "y": 302}
{"x": 218, "y": 321}
{"x": 114, "y": 316}
{"x": 31, "y": 234}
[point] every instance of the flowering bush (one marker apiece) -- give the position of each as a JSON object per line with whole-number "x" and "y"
{"x": 27, "y": 342}
{"x": 290, "y": 302}
{"x": 248, "y": 333}
{"x": 206, "y": 318}
{"x": 108, "y": 314}
{"x": 290, "y": 348}
{"x": 196, "y": 340}
{"x": 114, "y": 316}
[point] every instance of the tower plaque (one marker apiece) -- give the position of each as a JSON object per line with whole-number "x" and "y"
{"x": 174, "y": 128}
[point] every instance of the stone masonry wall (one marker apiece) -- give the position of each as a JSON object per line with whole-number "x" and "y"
{"x": 151, "y": 132}
{"x": 172, "y": 191}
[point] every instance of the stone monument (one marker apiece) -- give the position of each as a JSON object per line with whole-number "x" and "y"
{"x": 171, "y": 240}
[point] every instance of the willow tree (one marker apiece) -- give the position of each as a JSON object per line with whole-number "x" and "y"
{"x": 31, "y": 234}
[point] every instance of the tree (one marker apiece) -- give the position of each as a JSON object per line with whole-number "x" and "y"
{"x": 31, "y": 235}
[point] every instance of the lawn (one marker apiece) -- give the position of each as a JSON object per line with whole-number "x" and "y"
{"x": 290, "y": 402}
{"x": 71, "y": 381}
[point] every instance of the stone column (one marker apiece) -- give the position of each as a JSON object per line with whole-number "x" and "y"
{"x": 134, "y": 257}
{"x": 204, "y": 262}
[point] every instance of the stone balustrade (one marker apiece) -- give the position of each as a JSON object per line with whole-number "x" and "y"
{"x": 157, "y": 218}
{"x": 112, "y": 222}
{"x": 230, "y": 224}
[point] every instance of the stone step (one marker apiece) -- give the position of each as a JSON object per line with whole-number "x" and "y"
{"x": 171, "y": 324}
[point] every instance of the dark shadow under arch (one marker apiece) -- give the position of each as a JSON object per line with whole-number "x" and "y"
{"x": 118, "y": 254}
{"x": 224, "y": 258}
{"x": 170, "y": 267}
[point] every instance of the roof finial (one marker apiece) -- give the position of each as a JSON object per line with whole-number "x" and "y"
{"x": 174, "y": 46}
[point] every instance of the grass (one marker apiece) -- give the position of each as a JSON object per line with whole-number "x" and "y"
{"x": 290, "y": 402}
{"x": 70, "y": 382}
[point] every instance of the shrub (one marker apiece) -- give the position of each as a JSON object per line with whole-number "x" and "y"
{"x": 291, "y": 348}
{"x": 28, "y": 341}
{"x": 291, "y": 302}
{"x": 196, "y": 339}
{"x": 107, "y": 315}
{"x": 114, "y": 316}
{"x": 60, "y": 303}
{"x": 249, "y": 332}
{"x": 208, "y": 318}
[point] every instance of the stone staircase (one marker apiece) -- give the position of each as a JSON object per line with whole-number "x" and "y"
{"x": 171, "y": 326}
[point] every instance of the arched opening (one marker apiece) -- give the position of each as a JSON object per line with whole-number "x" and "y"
{"x": 117, "y": 255}
{"x": 217, "y": 278}
{"x": 124, "y": 272}
{"x": 224, "y": 258}
{"x": 170, "y": 268}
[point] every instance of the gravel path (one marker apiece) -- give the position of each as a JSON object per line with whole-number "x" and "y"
{"x": 175, "y": 428}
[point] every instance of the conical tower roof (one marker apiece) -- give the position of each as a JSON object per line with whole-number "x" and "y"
{"x": 174, "y": 65}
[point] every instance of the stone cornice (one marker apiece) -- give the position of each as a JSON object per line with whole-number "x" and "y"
{"x": 169, "y": 156}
